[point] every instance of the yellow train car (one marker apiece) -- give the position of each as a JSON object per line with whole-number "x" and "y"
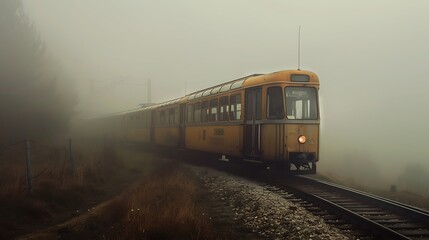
{"x": 269, "y": 118}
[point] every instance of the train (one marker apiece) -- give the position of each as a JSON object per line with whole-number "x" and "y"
{"x": 272, "y": 119}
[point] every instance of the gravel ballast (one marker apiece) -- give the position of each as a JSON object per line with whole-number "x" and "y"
{"x": 265, "y": 213}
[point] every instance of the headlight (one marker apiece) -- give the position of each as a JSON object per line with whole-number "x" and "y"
{"x": 302, "y": 139}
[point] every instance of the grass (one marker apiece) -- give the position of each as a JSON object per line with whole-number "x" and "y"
{"x": 163, "y": 207}
{"x": 161, "y": 200}
{"x": 56, "y": 191}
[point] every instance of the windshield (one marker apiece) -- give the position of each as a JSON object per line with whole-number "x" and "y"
{"x": 301, "y": 103}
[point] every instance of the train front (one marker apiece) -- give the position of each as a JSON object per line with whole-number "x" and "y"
{"x": 290, "y": 135}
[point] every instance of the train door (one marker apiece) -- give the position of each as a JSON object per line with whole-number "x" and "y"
{"x": 252, "y": 123}
{"x": 182, "y": 127}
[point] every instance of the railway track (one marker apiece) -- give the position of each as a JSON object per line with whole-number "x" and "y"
{"x": 357, "y": 214}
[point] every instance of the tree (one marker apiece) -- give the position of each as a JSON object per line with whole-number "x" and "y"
{"x": 36, "y": 99}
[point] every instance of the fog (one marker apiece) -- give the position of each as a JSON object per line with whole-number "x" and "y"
{"x": 371, "y": 58}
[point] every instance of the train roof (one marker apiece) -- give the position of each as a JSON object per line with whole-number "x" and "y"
{"x": 285, "y": 76}
{"x": 288, "y": 76}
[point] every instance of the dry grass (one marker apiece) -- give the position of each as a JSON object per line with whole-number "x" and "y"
{"x": 55, "y": 189}
{"x": 163, "y": 207}
{"x": 167, "y": 203}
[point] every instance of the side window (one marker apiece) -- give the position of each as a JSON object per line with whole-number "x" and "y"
{"x": 258, "y": 110}
{"x": 204, "y": 111}
{"x": 275, "y": 103}
{"x": 197, "y": 112}
{"x": 162, "y": 117}
{"x": 149, "y": 118}
{"x": 223, "y": 108}
{"x": 137, "y": 121}
{"x": 235, "y": 109}
{"x": 190, "y": 115}
{"x": 213, "y": 109}
{"x": 176, "y": 115}
{"x": 249, "y": 106}
{"x": 171, "y": 116}
{"x": 130, "y": 121}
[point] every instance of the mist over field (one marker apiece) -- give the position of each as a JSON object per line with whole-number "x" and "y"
{"x": 370, "y": 56}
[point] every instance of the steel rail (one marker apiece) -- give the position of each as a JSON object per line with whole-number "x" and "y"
{"x": 356, "y": 218}
{"x": 342, "y": 200}
{"x": 421, "y": 213}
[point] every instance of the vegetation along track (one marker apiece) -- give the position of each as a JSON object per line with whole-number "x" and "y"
{"x": 358, "y": 214}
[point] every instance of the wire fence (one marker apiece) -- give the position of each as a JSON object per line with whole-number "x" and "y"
{"x": 24, "y": 161}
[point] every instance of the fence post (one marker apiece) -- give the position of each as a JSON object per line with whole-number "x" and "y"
{"x": 71, "y": 157}
{"x": 27, "y": 157}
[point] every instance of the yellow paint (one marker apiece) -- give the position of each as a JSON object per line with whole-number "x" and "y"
{"x": 207, "y": 138}
{"x": 293, "y": 131}
{"x": 281, "y": 76}
{"x": 271, "y": 141}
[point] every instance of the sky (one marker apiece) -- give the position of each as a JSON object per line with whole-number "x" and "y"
{"x": 371, "y": 58}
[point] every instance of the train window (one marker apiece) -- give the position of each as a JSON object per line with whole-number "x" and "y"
{"x": 148, "y": 118}
{"x": 190, "y": 115}
{"x": 197, "y": 112}
{"x": 258, "y": 110}
{"x": 176, "y": 115}
{"x": 225, "y": 87}
{"x": 198, "y": 95}
{"x": 171, "y": 116}
{"x": 223, "y": 108}
{"x": 191, "y": 97}
{"x": 213, "y": 109}
{"x": 215, "y": 90}
{"x": 162, "y": 117}
{"x": 253, "y": 104}
{"x": 237, "y": 84}
{"x": 249, "y": 106}
{"x": 235, "y": 109}
{"x": 206, "y": 93}
{"x": 130, "y": 122}
{"x": 144, "y": 119}
{"x": 275, "y": 103}
{"x": 204, "y": 111}
{"x": 142, "y": 122}
{"x": 301, "y": 103}
{"x": 136, "y": 120}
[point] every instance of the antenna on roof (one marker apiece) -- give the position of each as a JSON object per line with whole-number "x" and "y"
{"x": 299, "y": 48}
